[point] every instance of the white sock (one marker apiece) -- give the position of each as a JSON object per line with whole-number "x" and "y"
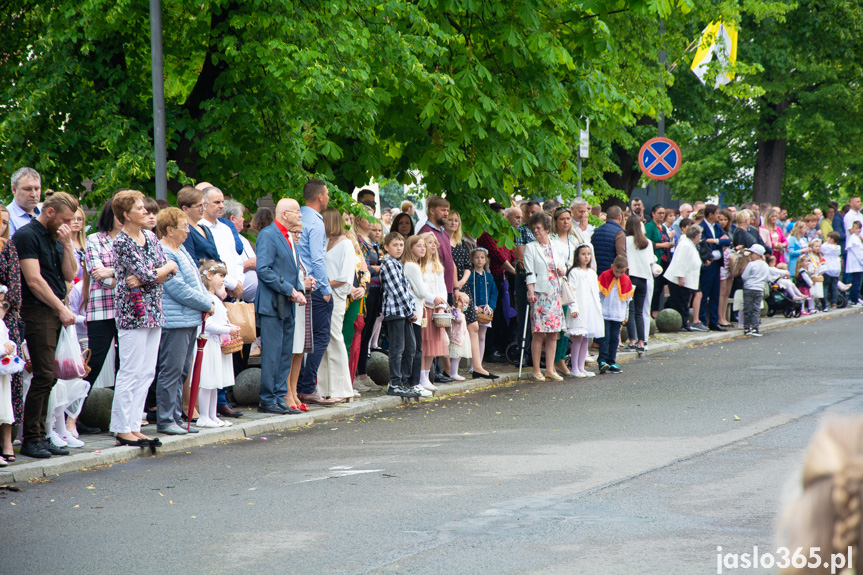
{"x": 424, "y": 376}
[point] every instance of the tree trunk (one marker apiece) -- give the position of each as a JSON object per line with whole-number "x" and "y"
{"x": 769, "y": 170}
{"x": 626, "y": 180}
{"x": 770, "y": 159}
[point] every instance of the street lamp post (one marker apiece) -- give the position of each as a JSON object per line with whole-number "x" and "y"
{"x": 158, "y": 99}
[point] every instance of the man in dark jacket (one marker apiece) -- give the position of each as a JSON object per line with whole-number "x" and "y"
{"x": 609, "y": 239}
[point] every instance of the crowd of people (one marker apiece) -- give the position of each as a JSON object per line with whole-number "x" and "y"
{"x": 152, "y": 282}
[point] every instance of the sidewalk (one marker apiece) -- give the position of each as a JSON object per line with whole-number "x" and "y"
{"x": 101, "y": 450}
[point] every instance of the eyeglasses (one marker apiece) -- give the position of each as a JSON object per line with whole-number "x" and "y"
{"x": 295, "y": 211}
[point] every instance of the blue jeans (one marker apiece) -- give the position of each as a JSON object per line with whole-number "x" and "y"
{"x": 608, "y": 343}
{"x": 854, "y": 292}
{"x": 322, "y": 312}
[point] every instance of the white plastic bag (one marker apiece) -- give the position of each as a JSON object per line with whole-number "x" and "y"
{"x": 106, "y": 376}
{"x": 68, "y": 363}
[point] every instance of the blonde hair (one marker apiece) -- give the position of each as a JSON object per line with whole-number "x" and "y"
{"x": 799, "y": 230}
{"x": 742, "y": 218}
{"x": 408, "y": 255}
{"x": 457, "y": 235}
{"x": 5, "y": 234}
{"x": 334, "y": 225}
{"x": 82, "y": 233}
{"x": 828, "y": 512}
{"x": 431, "y": 259}
{"x": 211, "y": 267}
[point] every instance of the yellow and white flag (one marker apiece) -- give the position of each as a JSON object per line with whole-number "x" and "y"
{"x": 718, "y": 40}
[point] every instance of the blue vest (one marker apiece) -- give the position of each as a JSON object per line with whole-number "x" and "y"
{"x": 603, "y": 245}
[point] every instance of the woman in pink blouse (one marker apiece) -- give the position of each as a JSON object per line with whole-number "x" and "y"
{"x": 773, "y": 237}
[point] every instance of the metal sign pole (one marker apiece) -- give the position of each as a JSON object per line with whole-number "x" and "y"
{"x": 158, "y": 99}
{"x": 578, "y": 163}
{"x": 660, "y": 185}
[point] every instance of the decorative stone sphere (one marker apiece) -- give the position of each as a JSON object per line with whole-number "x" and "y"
{"x": 652, "y": 330}
{"x": 624, "y": 334}
{"x": 669, "y": 321}
{"x": 247, "y": 386}
{"x": 378, "y": 368}
{"x": 97, "y": 408}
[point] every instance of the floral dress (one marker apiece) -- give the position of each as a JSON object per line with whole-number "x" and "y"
{"x": 547, "y": 311}
{"x": 461, "y": 258}
{"x": 10, "y": 276}
{"x": 142, "y": 262}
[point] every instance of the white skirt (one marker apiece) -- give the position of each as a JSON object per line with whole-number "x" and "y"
{"x": 217, "y": 369}
{"x": 6, "y": 414}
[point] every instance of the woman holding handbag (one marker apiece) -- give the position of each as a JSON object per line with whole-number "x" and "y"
{"x": 544, "y": 273}
{"x": 563, "y": 242}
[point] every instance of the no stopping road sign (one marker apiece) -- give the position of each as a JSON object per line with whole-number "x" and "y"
{"x": 659, "y": 158}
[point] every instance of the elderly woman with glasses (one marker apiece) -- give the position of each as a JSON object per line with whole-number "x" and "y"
{"x": 184, "y": 301}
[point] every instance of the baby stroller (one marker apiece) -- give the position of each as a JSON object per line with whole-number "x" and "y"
{"x": 778, "y": 300}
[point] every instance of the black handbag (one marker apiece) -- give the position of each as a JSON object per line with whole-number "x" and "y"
{"x": 705, "y": 250}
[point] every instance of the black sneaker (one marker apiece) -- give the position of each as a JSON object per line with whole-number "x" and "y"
{"x": 603, "y": 367}
{"x": 614, "y": 368}
{"x": 400, "y": 391}
{"x": 53, "y": 449}
{"x": 34, "y": 449}
{"x": 755, "y": 333}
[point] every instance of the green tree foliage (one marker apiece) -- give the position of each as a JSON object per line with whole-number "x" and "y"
{"x": 483, "y": 98}
{"x": 793, "y": 142}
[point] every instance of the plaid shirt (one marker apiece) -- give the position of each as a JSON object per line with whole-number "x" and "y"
{"x": 99, "y": 253}
{"x": 398, "y": 299}
{"x": 497, "y": 255}
{"x": 524, "y": 236}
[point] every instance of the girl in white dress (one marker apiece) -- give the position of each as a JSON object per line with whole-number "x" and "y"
{"x": 217, "y": 369}
{"x": 584, "y": 319}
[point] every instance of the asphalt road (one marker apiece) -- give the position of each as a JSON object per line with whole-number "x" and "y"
{"x": 645, "y": 472}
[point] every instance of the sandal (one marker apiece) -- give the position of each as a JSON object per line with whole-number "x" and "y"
{"x": 10, "y": 457}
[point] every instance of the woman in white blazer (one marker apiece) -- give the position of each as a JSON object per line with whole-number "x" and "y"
{"x": 683, "y": 273}
{"x": 641, "y": 257}
{"x": 544, "y": 273}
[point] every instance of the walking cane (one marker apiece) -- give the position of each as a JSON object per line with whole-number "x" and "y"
{"x": 523, "y": 337}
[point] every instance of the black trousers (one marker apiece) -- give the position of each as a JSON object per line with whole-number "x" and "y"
{"x": 42, "y": 328}
{"x": 100, "y": 334}
{"x": 636, "y": 309}
{"x": 374, "y": 302}
{"x": 679, "y": 300}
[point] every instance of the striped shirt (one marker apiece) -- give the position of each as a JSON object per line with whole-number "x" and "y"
{"x": 398, "y": 300}
{"x": 98, "y": 253}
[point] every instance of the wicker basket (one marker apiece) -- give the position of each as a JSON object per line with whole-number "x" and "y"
{"x": 442, "y": 318}
{"x": 232, "y": 345}
{"x": 483, "y": 317}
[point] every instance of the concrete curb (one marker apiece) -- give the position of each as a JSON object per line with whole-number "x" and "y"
{"x": 39, "y": 469}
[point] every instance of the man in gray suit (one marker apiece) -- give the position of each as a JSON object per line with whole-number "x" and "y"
{"x": 278, "y": 280}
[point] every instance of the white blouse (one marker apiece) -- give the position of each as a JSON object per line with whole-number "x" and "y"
{"x": 640, "y": 261}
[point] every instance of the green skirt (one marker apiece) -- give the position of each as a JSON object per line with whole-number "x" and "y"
{"x": 562, "y": 342}
{"x": 350, "y": 317}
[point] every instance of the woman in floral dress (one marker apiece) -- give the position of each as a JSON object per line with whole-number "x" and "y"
{"x": 543, "y": 292}
{"x": 141, "y": 268}
{"x": 10, "y": 276}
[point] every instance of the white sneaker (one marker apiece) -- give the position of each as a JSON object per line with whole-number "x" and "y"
{"x": 72, "y": 441}
{"x": 428, "y": 385}
{"x": 421, "y": 390}
{"x": 221, "y": 423}
{"x": 202, "y": 422}
{"x": 56, "y": 440}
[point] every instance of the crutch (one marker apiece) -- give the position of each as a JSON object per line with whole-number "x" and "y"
{"x": 523, "y": 337}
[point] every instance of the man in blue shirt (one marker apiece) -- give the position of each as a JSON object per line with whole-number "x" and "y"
{"x": 27, "y": 191}
{"x": 312, "y": 248}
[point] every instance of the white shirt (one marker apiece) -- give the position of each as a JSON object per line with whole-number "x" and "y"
{"x": 224, "y": 238}
{"x": 850, "y": 218}
{"x": 250, "y": 278}
{"x": 640, "y": 261}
